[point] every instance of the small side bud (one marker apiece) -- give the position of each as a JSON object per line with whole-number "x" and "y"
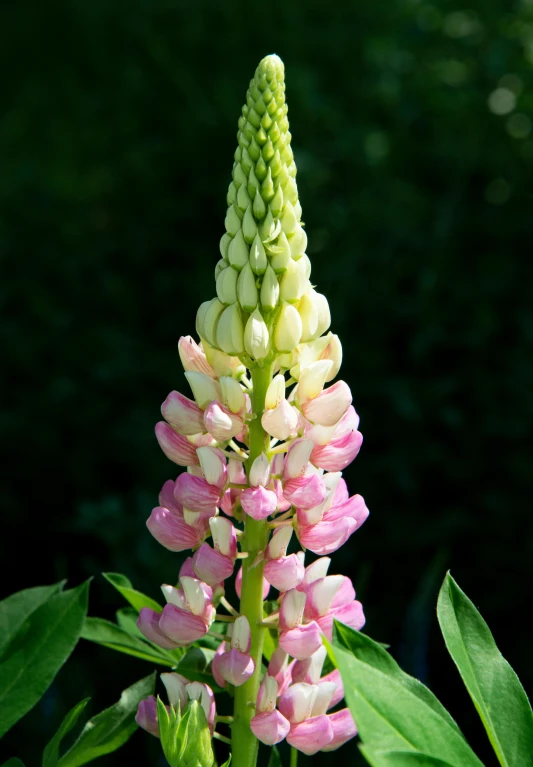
{"x": 212, "y": 316}
{"x": 246, "y": 289}
{"x": 238, "y": 251}
{"x": 256, "y": 336}
{"x": 232, "y": 394}
{"x": 288, "y": 330}
{"x": 275, "y": 392}
{"x": 269, "y": 294}
{"x": 230, "y": 332}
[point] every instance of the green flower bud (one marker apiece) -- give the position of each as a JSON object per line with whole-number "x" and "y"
{"x": 239, "y": 176}
{"x": 249, "y": 227}
{"x": 246, "y": 289}
{"x": 258, "y": 258}
{"x": 243, "y": 198}
{"x": 254, "y": 150}
{"x": 224, "y": 245}
{"x": 253, "y": 184}
{"x": 308, "y": 312}
{"x": 214, "y": 310}
{"x": 232, "y": 393}
{"x": 267, "y": 187}
{"x": 269, "y": 295}
{"x": 227, "y": 285}
{"x": 222, "y": 363}
{"x": 238, "y": 251}
{"x": 233, "y": 221}
{"x": 256, "y": 336}
{"x": 276, "y": 203}
{"x": 280, "y": 254}
{"x": 289, "y": 221}
{"x": 185, "y": 739}
{"x": 229, "y": 331}
{"x": 288, "y": 328}
{"x": 293, "y": 283}
{"x": 200, "y": 317}
{"x": 298, "y": 242}
{"x": 269, "y": 228}
{"x": 232, "y": 194}
{"x": 219, "y": 266}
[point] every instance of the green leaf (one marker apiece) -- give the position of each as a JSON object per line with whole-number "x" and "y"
{"x": 51, "y": 752}
{"x": 110, "y": 729}
{"x": 17, "y": 608}
{"x": 393, "y": 711}
{"x": 495, "y": 689}
{"x": 401, "y": 759}
{"x": 37, "y": 651}
{"x": 227, "y": 764}
{"x": 275, "y": 758}
{"x": 127, "y": 620}
{"x": 13, "y": 762}
{"x": 135, "y": 598}
{"x": 269, "y": 644}
{"x": 195, "y": 666}
{"x": 110, "y": 635}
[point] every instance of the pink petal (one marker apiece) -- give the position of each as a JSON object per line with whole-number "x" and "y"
{"x": 345, "y": 594}
{"x": 213, "y": 464}
{"x": 320, "y": 595}
{"x": 339, "y": 453}
{"x": 312, "y": 735}
{"x": 148, "y": 624}
{"x": 221, "y": 422}
{"x": 146, "y": 716}
{"x": 305, "y": 492}
{"x": 297, "y": 458}
{"x": 235, "y": 667}
{"x": 182, "y": 414}
{"x": 186, "y": 569}
{"x": 354, "y": 507}
{"x": 281, "y": 669}
{"x": 196, "y": 494}
{"x": 284, "y": 573}
{"x": 301, "y": 641}
{"x": 193, "y": 358}
{"x": 330, "y": 406}
{"x": 211, "y": 566}
{"x": 174, "y": 446}
{"x": 217, "y": 676}
{"x": 283, "y": 504}
{"x": 206, "y": 697}
{"x": 258, "y": 502}
{"x": 171, "y": 531}
{"x": 270, "y": 727}
{"x": 182, "y": 626}
{"x": 344, "y": 729}
{"x": 326, "y": 537}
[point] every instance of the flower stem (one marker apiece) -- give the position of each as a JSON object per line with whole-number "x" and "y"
{"x": 294, "y": 757}
{"x": 256, "y": 532}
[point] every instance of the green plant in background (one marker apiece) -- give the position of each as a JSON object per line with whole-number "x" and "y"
{"x": 402, "y": 724}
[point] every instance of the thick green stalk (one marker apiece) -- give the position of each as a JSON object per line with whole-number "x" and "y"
{"x": 244, "y": 742}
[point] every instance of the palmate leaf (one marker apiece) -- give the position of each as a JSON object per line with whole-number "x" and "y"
{"x": 110, "y": 729}
{"x": 37, "y": 650}
{"x": 495, "y": 689}
{"x": 116, "y": 638}
{"x": 393, "y": 711}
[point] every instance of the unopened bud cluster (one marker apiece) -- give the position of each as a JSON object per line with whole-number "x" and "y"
{"x": 266, "y": 316}
{"x": 265, "y": 304}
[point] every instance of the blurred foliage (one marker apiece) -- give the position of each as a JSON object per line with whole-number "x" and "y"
{"x": 412, "y": 128}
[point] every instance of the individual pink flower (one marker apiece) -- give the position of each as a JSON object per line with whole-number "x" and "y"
{"x": 213, "y": 465}
{"x": 339, "y": 453}
{"x": 205, "y": 696}
{"x": 284, "y": 573}
{"x": 196, "y": 494}
{"x": 258, "y": 502}
{"x": 235, "y": 665}
{"x": 175, "y": 446}
{"x": 281, "y": 422}
{"x": 305, "y": 491}
{"x": 301, "y": 641}
{"x": 268, "y": 725}
{"x": 183, "y": 414}
{"x": 193, "y": 357}
{"x": 312, "y": 735}
{"x": 148, "y": 625}
{"x": 146, "y": 716}
{"x": 344, "y": 729}
{"x": 221, "y": 422}
{"x": 210, "y": 565}
{"x": 280, "y": 668}
{"x": 330, "y": 406}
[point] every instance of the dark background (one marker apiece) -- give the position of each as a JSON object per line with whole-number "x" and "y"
{"x": 412, "y": 131}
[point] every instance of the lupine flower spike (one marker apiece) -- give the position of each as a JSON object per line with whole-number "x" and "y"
{"x": 264, "y": 440}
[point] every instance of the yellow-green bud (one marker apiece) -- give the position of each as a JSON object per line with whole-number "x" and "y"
{"x": 246, "y": 289}
{"x": 288, "y": 328}
{"x": 243, "y": 198}
{"x": 200, "y": 317}
{"x": 280, "y": 254}
{"x": 238, "y": 251}
{"x": 232, "y": 394}
{"x": 293, "y": 283}
{"x": 256, "y": 336}
{"x": 249, "y": 227}
{"x": 276, "y": 203}
{"x": 214, "y": 310}
{"x": 308, "y": 312}
{"x": 233, "y": 221}
{"x": 324, "y": 316}
{"x": 230, "y": 332}
{"x": 224, "y": 245}
{"x": 298, "y": 242}
{"x": 258, "y": 259}
{"x": 222, "y": 363}
{"x": 219, "y": 266}
{"x": 227, "y": 285}
{"x": 269, "y": 295}
{"x": 289, "y": 221}
{"x": 259, "y": 207}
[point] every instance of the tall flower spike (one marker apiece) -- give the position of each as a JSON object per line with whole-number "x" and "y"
{"x": 268, "y": 455}
{"x": 265, "y": 302}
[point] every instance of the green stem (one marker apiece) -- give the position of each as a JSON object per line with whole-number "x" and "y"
{"x": 245, "y": 744}
{"x": 294, "y": 757}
